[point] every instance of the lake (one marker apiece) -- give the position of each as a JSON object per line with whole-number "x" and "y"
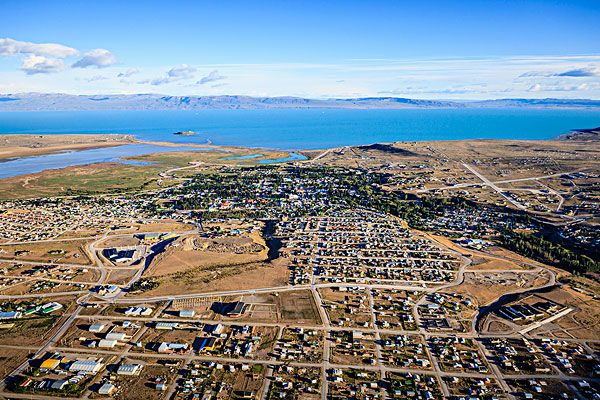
{"x": 280, "y": 129}
{"x": 308, "y": 129}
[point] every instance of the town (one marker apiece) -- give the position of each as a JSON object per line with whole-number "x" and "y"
{"x": 300, "y": 280}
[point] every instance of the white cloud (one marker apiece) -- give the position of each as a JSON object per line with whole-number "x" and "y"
{"x": 128, "y": 73}
{"x": 558, "y": 88}
{"x": 212, "y": 77}
{"x": 99, "y": 58}
{"x": 40, "y": 58}
{"x": 11, "y": 47}
{"x": 33, "y": 64}
{"x": 178, "y": 73}
{"x": 183, "y": 71}
{"x": 97, "y": 78}
{"x": 535, "y": 88}
{"x": 571, "y": 73}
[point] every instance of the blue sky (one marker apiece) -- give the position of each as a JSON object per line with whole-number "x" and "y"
{"x": 421, "y": 49}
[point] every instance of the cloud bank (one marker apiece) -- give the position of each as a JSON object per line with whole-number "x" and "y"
{"x": 99, "y": 58}
{"x": 45, "y": 58}
{"x": 11, "y": 47}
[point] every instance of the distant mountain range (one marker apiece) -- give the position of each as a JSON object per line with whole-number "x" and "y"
{"x": 66, "y": 102}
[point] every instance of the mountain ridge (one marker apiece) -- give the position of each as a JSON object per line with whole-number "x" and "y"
{"x": 147, "y": 101}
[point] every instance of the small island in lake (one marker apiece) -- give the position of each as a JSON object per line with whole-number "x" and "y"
{"x": 185, "y": 133}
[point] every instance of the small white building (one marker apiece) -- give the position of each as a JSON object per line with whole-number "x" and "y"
{"x": 107, "y": 389}
{"x": 87, "y": 367}
{"x": 187, "y": 313}
{"x": 129, "y": 369}
{"x": 97, "y": 327}
{"x": 107, "y": 344}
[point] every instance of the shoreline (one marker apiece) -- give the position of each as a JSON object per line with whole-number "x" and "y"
{"x": 58, "y": 143}
{"x": 16, "y": 146}
{"x": 39, "y": 178}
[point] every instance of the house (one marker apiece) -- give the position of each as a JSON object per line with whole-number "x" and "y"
{"x": 50, "y": 307}
{"x": 50, "y": 363}
{"x": 31, "y": 310}
{"x": 245, "y": 394}
{"x": 187, "y": 313}
{"x": 115, "y": 336}
{"x": 87, "y": 367}
{"x": 171, "y": 347}
{"x": 10, "y": 314}
{"x": 129, "y": 369}
{"x": 97, "y": 327}
{"x": 205, "y": 344}
{"x": 59, "y": 384}
{"x": 107, "y": 389}
{"x": 138, "y": 311}
{"x": 165, "y": 325}
{"x": 216, "y": 329}
{"x": 107, "y": 344}
{"x": 236, "y": 309}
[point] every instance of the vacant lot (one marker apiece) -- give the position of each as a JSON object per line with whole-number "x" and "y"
{"x": 298, "y": 306}
{"x": 485, "y": 287}
{"x": 193, "y": 253}
{"x": 67, "y": 251}
{"x": 214, "y": 278}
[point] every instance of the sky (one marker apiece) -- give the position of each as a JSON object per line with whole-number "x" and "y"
{"x": 454, "y": 49}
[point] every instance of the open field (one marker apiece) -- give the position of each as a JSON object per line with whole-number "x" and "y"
{"x": 81, "y": 180}
{"x": 486, "y": 287}
{"x": 223, "y": 277}
{"x": 68, "y": 251}
{"x": 199, "y": 254}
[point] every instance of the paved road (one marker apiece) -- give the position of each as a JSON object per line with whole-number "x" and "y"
{"x": 496, "y": 188}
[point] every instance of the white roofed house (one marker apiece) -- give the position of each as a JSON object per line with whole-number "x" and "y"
{"x": 107, "y": 389}
{"x": 87, "y": 367}
{"x": 129, "y": 369}
{"x": 137, "y": 311}
{"x": 104, "y": 343}
{"x": 97, "y": 327}
{"x": 115, "y": 336}
{"x": 165, "y": 347}
{"x": 187, "y": 313}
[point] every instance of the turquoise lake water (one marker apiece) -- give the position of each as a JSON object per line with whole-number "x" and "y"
{"x": 308, "y": 129}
